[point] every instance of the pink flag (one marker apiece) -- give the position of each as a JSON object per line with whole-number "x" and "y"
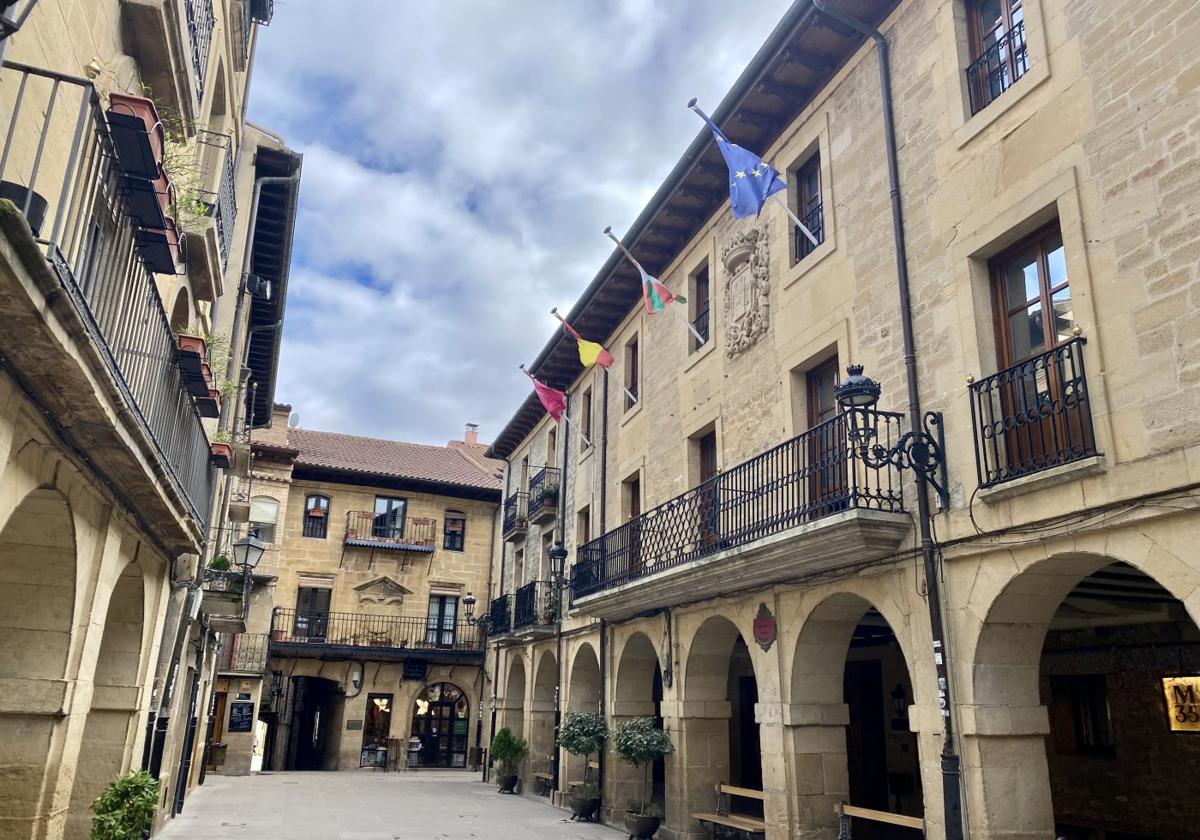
{"x": 553, "y": 401}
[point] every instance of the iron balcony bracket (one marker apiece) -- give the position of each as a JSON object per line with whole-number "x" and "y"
{"x": 922, "y": 451}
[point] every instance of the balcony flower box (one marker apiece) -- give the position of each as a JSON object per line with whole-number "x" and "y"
{"x": 209, "y": 405}
{"x": 162, "y": 250}
{"x": 137, "y": 134}
{"x": 198, "y": 383}
{"x": 149, "y": 201}
{"x": 239, "y": 511}
{"x": 193, "y": 351}
{"x": 221, "y": 455}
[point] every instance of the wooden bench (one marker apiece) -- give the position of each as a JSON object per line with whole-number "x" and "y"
{"x": 845, "y": 811}
{"x": 543, "y": 781}
{"x": 726, "y": 824}
{"x": 591, "y": 765}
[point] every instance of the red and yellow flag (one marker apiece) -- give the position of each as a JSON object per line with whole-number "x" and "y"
{"x": 590, "y": 353}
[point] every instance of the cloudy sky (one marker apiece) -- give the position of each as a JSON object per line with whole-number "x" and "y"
{"x": 460, "y": 161}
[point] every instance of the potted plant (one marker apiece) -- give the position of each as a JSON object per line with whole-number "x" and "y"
{"x": 508, "y": 751}
{"x": 582, "y": 734}
{"x": 639, "y": 742}
{"x": 222, "y": 450}
{"x": 124, "y": 808}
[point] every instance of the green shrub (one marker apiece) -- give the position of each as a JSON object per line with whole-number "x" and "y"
{"x": 583, "y": 733}
{"x": 508, "y": 751}
{"x": 639, "y": 742}
{"x": 125, "y": 807}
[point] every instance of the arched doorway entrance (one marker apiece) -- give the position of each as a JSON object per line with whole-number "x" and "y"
{"x": 442, "y": 719}
{"x": 512, "y": 706}
{"x": 312, "y": 719}
{"x": 850, "y": 735}
{"x": 37, "y": 598}
{"x": 638, "y": 692}
{"x": 106, "y": 735}
{"x": 1098, "y": 666}
{"x": 720, "y": 691}
{"x": 583, "y": 695}
{"x": 541, "y": 714}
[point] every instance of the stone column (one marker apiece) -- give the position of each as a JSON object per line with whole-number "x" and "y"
{"x": 623, "y": 782}
{"x": 776, "y": 769}
{"x": 815, "y": 744}
{"x": 541, "y": 741}
{"x": 1005, "y": 772}
{"x": 701, "y": 732}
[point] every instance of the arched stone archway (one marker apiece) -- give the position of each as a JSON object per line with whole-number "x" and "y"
{"x": 846, "y": 728}
{"x": 718, "y": 733}
{"x": 638, "y": 692}
{"x": 512, "y": 706}
{"x": 112, "y": 718}
{"x": 1068, "y": 691}
{"x": 37, "y": 601}
{"x": 541, "y": 714}
{"x": 583, "y": 695}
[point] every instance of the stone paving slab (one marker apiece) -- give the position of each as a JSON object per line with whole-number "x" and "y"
{"x": 367, "y": 805}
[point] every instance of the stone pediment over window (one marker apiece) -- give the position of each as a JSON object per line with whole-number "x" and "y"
{"x": 383, "y": 591}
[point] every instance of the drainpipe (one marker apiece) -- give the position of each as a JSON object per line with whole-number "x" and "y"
{"x": 495, "y": 647}
{"x": 603, "y": 453}
{"x": 189, "y": 740}
{"x": 559, "y": 588}
{"x": 951, "y": 767}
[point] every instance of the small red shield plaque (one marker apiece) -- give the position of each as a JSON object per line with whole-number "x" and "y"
{"x": 765, "y": 629}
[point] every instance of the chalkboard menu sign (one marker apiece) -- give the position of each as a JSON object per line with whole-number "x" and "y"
{"x": 241, "y": 716}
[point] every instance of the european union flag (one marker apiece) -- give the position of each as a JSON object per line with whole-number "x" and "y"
{"x": 751, "y": 180}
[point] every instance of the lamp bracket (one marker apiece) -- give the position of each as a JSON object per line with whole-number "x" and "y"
{"x": 923, "y": 451}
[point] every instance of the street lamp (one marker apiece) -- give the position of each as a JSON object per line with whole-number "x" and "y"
{"x": 248, "y": 551}
{"x": 469, "y": 601}
{"x": 921, "y": 450}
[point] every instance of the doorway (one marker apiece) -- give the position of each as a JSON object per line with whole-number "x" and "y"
{"x": 441, "y": 721}
{"x": 376, "y": 728}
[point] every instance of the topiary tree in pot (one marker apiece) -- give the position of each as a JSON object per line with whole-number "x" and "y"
{"x": 639, "y": 742}
{"x": 123, "y": 810}
{"x": 508, "y": 751}
{"x": 583, "y": 733}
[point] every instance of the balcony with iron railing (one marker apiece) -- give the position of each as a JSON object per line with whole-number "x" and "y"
{"x": 543, "y": 496}
{"x": 700, "y": 325}
{"x": 1033, "y": 416}
{"x": 500, "y": 615}
{"x": 386, "y": 531}
{"x": 382, "y": 637}
{"x": 808, "y": 506}
{"x": 814, "y": 220}
{"x": 226, "y": 209}
{"x": 516, "y": 518}
{"x": 243, "y": 653}
{"x": 1000, "y": 65}
{"x": 225, "y": 599}
{"x": 60, "y": 167}
{"x": 200, "y": 21}
{"x": 535, "y": 608}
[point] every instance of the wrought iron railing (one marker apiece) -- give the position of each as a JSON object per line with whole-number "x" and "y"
{"x": 543, "y": 487}
{"x": 1000, "y": 65}
{"x": 500, "y": 615}
{"x": 811, "y": 476}
{"x": 226, "y": 213}
{"x": 245, "y": 652}
{"x": 814, "y": 220}
{"x": 1032, "y": 416}
{"x": 534, "y": 604}
{"x": 387, "y": 529}
{"x": 701, "y": 326}
{"x": 200, "y": 19}
{"x": 289, "y": 626}
{"x": 216, "y": 580}
{"x": 514, "y": 513}
{"x": 60, "y": 165}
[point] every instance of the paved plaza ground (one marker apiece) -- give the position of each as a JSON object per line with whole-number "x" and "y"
{"x": 427, "y": 805}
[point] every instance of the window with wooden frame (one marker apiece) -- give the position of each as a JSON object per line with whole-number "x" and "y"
{"x": 1032, "y": 297}
{"x": 999, "y": 54}
{"x": 699, "y": 302}
{"x": 454, "y": 530}
{"x": 316, "y": 516}
{"x": 808, "y": 207}
{"x": 826, "y": 446}
{"x": 583, "y": 526}
{"x": 631, "y": 373}
{"x": 389, "y": 517}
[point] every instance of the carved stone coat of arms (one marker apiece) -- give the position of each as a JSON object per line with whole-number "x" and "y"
{"x": 747, "y": 290}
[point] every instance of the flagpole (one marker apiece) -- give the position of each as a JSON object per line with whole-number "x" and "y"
{"x": 803, "y": 227}
{"x": 608, "y": 232}
{"x": 689, "y": 325}
{"x": 578, "y": 430}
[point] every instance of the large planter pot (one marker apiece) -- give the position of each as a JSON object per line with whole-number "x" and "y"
{"x": 640, "y": 826}
{"x": 583, "y": 808}
{"x": 507, "y": 782}
{"x": 137, "y": 134}
{"x": 220, "y": 456}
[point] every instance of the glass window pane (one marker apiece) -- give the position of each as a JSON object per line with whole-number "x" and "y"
{"x": 1021, "y": 279}
{"x": 1025, "y": 332}
{"x": 1064, "y": 314}
{"x": 1056, "y": 259}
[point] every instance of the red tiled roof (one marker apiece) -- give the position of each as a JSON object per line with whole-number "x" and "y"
{"x": 458, "y": 464}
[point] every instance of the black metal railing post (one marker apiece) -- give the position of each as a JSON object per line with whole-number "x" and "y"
{"x": 500, "y": 615}
{"x": 814, "y": 220}
{"x": 200, "y": 20}
{"x": 515, "y": 512}
{"x": 1032, "y": 416}
{"x": 226, "y": 215}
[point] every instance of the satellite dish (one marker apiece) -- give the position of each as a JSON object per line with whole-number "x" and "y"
{"x": 294, "y": 420}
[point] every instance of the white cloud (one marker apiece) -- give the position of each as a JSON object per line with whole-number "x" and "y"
{"x": 460, "y": 161}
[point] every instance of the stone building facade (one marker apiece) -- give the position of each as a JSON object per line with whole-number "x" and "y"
{"x": 111, "y": 500}
{"x": 361, "y": 642}
{"x": 741, "y": 571}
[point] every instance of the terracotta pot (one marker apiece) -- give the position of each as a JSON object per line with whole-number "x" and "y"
{"x": 137, "y": 134}
{"x": 193, "y": 344}
{"x": 640, "y": 826}
{"x": 222, "y": 453}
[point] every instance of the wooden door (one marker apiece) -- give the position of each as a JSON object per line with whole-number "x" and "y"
{"x": 312, "y": 612}
{"x": 710, "y": 492}
{"x": 826, "y": 451}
